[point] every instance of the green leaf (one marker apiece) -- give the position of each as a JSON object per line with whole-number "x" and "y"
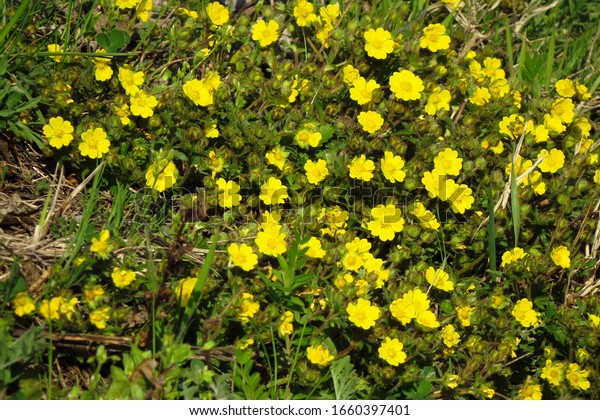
{"x": 514, "y": 204}
{"x": 345, "y": 379}
{"x": 103, "y": 40}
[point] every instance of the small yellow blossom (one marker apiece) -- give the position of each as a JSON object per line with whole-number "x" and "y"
{"x": 530, "y": 391}
{"x": 161, "y": 175}
{"x": 228, "y": 196}
{"x": 316, "y": 171}
{"x": 286, "y": 324}
{"x": 406, "y": 85}
{"x": 217, "y": 13}
{"x": 23, "y": 304}
{"x": 99, "y": 317}
{"x": 561, "y": 256}
{"x": 242, "y": 256}
{"x": 94, "y": 143}
{"x": 184, "y": 290}
{"x": 55, "y": 48}
{"x": 319, "y": 355}
{"x": 265, "y": 33}
{"x": 59, "y": 132}
{"x": 122, "y": 277}
{"x": 273, "y": 192}
{"x": 450, "y": 337}
{"x": 370, "y": 121}
{"x": 379, "y": 43}
{"x": 130, "y": 80}
{"x": 577, "y": 377}
{"x": 142, "y": 104}
{"x": 315, "y": 249}
{"x": 362, "y": 313}
{"x": 362, "y": 90}
{"x": 248, "y": 308}
{"x": 361, "y": 168}
{"x": 100, "y": 244}
{"x": 434, "y": 38}
{"x": 439, "y": 279}
{"x": 391, "y": 351}
{"x": 271, "y": 241}
{"x": 524, "y": 313}
{"x": 386, "y": 222}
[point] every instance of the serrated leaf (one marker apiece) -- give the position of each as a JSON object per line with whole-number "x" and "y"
{"x": 345, "y": 379}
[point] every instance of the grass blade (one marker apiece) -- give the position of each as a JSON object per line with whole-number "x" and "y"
{"x": 514, "y": 204}
{"x": 491, "y": 234}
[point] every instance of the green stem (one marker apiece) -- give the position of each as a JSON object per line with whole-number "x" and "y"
{"x": 15, "y": 18}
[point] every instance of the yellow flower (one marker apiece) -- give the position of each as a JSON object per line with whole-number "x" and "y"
{"x": 450, "y": 337}
{"x": 303, "y": 12}
{"x": 265, "y": 33}
{"x": 387, "y": 221}
{"x": 100, "y": 245}
{"x": 361, "y": 168}
{"x": 161, "y": 175}
{"x": 319, "y": 355}
{"x": 554, "y": 124}
{"x": 439, "y": 99}
{"x": 521, "y": 167}
{"x": 335, "y": 219}
{"x": 92, "y": 292}
{"x": 434, "y": 181}
{"x": 362, "y": 314}
{"x": 448, "y": 162}
{"x": 565, "y": 88}
{"x": 143, "y": 9}
{"x": 426, "y": 218}
{"x": 564, "y": 109}
{"x": 228, "y": 193}
{"x": 577, "y": 377}
{"x": 427, "y": 319}
{"x": 553, "y": 372}
{"x": 244, "y": 344}
{"x": 434, "y": 38}
{"x": 480, "y": 96}
{"x": 308, "y": 136}
{"x": 379, "y": 43}
{"x": 406, "y": 85}
{"x": 553, "y": 160}
{"x": 411, "y": 305}
{"x": 493, "y": 68}
{"x": 122, "y": 277}
{"x": 182, "y": 11}
{"x": 488, "y": 392}
{"x": 55, "y": 48}
{"x": 582, "y": 92}
{"x": 210, "y": 130}
{"x": 391, "y": 167}
{"x": 512, "y": 256}
{"x": 217, "y": 13}
{"x": 23, "y": 304}
{"x": 561, "y": 256}
{"x": 530, "y": 391}
{"x": 67, "y": 307}
{"x": 215, "y": 163}
{"x": 439, "y": 279}
{"x": 330, "y": 13}
{"x": 271, "y": 241}
{"x": 460, "y": 196}
{"x": 142, "y": 104}
{"x": 94, "y": 143}
{"x": 126, "y": 4}
{"x": 277, "y": 156}
{"x": 464, "y": 314}
{"x": 184, "y": 290}
{"x": 59, "y": 132}
{"x": 201, "y": 91}
{"x": 50, "y": 309}
{"x": 370, "y": 121}
{"x": 103, "y": 72}
{"x": 525, "y": 315}
{"x": 99, "y": 317}
{"x": 391, "y": 351}
{"x": 273, "y": 192}
{"x": 130, "y": 80}
{"x": 123, "y": 113}
{"x": 594, "y": 320}
{"x": 362, "y": 90}
{"x": 316, "y": 171}
{"x": 286, "y": 326}
{"x": 350, "y": 74}
{"x": 315, "y": 249}
{"x": 242, "y": 256}
{"x": 248, "y": 308}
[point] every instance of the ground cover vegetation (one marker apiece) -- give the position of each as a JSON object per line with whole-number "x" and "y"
{"x": 344, "y": 199}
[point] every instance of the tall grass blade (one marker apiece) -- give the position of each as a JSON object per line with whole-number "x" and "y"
{"x": 514, "y": 204}
{"x": 491, "y": 234}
